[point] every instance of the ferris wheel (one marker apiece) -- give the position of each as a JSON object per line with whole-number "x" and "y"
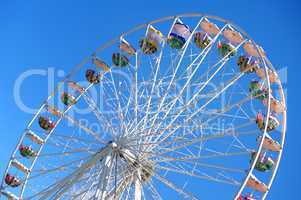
{"x": 183, "y": 107}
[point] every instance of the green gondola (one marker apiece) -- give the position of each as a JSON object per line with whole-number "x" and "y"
{"x": 68, "y": 99}
{"x": 245, "y": 65}
{"x": 120, "y": 60}
{"x": 27, "y": 151}
{"x": 263, "y": 163}
{"x": 202, "y": 40}
{"x": 176, "y": 41}
{"x": 258, "y": 92}
{"x": 226, "y": 49}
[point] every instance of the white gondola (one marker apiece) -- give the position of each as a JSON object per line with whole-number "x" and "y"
{"x": 257, "y": 185}
{"x": 270, "y": 144}
{"x": 35, "y": 138}
{"x": 233, "y": 36}
{"x": 54, "y": 111}
{"x": 20, "y": 166}
{"x": 252, "y": 50}
{"x": 275, "y": 105}
{"x": 75, "y": 86}
{"x": 273, "y": 77}
{"x": 100, "y": 64}
{"x": 127, "y": 47}
{"x": 209, "y": 27}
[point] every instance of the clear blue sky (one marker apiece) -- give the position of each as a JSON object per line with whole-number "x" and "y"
{"x": 56, "y": 33}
